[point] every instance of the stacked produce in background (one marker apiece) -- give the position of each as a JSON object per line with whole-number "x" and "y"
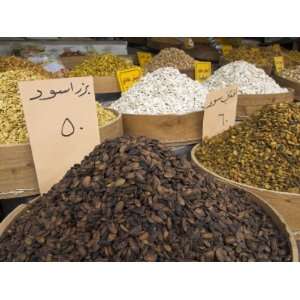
{"x": 263, "y": 57}
{"x": 100, "y": 65}
{"x": 131, "y": 199}
{"x": 263, "y": 151}
{"x": 171, "y": 57}
{"x": 12, "y": 63}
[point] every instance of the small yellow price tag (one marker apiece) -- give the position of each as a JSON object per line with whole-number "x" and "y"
{"x": 128, "y": 77}
{"x": 226, "y": 49}
{"x": 202, "y": 70}
{"x": 279, "y": 63}
{"x": 144, "y": 58}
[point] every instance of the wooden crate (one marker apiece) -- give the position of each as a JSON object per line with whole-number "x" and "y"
{"x": 289, "y": 84}
{"x": 285, "y": 204}
{"x": 170, "y": 129}
{"x": 17, "y": 172}
{"x": 249, "y": 104}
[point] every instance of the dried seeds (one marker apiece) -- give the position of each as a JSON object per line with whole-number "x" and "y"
{"x": 98, "y": 214}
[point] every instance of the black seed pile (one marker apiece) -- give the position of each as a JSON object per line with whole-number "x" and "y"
{"x": 131, "y": 199}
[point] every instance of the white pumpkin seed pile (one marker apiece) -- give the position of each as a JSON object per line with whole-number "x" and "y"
{"x": 164, "y": 91}
{"x": 248, "y": 78}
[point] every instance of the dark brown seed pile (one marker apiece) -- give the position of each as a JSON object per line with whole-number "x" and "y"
{"x": 132, "y": 199}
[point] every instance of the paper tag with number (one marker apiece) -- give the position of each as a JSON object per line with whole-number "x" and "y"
{"x": 127, "y": 78}
{"x": 226, "y": 49}
{"x": 202, "y": 70}
{"x": 144, "y": 58}
{"x": 62, "y": 124}
{"x": 219, "y": 111}
{"x": 279, "y": 63}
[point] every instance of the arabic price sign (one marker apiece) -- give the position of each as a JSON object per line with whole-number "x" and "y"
{"x": 202, "y": 70}
{"x": 219, "y": 111}
{"x": 128, "y": 77}
{"x": 62, "y": 124}
{"x": 226, "y": 49}
{"x": 279, "y": 63}
{"x": 144, "y": 58}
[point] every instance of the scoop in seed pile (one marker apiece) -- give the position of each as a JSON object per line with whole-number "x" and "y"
{"x": 131, "y": 199}
{"x": 263, "y": 151}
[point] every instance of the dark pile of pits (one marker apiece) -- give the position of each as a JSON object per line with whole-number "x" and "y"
{"x": 131, "y": 199}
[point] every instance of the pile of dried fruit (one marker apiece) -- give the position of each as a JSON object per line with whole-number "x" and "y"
{"x": 100, "y": 65}
{"x": 12, "y": 121}
{"x": 171, "y": 57}
{"x": 249, "y": 79}
{"x": 131, "y": 199}
{"x": 292, "y": 74}
{"x": 263, "y": 151}
{"x": 12, "y": 63}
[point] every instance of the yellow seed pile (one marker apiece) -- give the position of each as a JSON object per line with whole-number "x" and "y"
{"x": 12, "y": 122}
{"x": 100, "y": 65}
{"x": 105, "y": 116}
{"x": 10, "y": 63}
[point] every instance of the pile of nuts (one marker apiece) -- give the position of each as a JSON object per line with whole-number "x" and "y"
{"x": 100, "y": 65}
{"x": 263, "y": 151}
{"x": 164, "y": 91}
{"x": 171, "y": 57}
{"x": 292, "y": 74}
{"x": 12, "y": 121}
{"x": 249, "y": 79}
{"x": 12, "y": 63}
{"x": 132, "y": 199}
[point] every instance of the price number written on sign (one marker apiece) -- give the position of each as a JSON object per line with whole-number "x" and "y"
{"x": 219, "y": 111}
{"x": 255, "y": 51}
{"x": 226, "y": 49}
{"x": 128, "y": 77}
{"x": 144, "y": 58}
{"x": 279, "y": 63}
{"x": 62, "y": 124}
{"x": 202, "y": 70}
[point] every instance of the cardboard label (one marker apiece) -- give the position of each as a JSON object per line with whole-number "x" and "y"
{"x": 279, "y": 63}
{"x": 226, "y": 49}
{"x": 127, "y": 78}
{"x": 202, "y": 70}
{"x": 144, "y": 58}
{"x": 62, "y": 124}
{"x": 219, "y": 111}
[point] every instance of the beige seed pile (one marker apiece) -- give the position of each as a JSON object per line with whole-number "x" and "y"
{"x": 171, "y": 57}
{"x": 12, "y": 122}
